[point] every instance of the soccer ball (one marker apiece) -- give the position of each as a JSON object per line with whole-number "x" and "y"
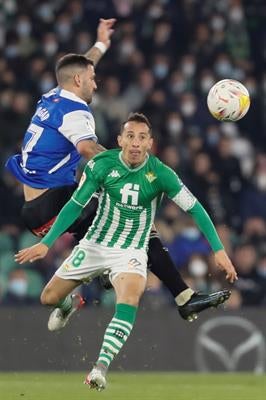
{"x": 228, "y": 100}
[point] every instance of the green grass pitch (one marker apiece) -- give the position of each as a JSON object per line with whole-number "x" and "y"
{"x": 133, "y": 386}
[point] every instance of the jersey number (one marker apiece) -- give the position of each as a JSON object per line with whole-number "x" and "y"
{"x": 36, "y": 132}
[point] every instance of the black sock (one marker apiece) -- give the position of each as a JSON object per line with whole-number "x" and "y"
{"x": 162, "y": 266}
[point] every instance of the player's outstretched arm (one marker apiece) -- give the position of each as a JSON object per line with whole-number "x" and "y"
{"x": 32, "y": 253}
{"x": 104, "y": 32}
{"x": 180, "y": 194}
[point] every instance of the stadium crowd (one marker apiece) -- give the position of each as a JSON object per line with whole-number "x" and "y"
{"x": 165, "y": 56}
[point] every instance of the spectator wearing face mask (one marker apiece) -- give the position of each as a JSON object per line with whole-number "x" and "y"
{"x": 253, "y": 199}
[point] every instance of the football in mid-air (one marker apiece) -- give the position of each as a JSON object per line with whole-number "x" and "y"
{"x": 228, "y": 100}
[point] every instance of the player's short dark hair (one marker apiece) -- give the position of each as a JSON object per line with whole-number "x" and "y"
{"x": 138, "y": 117}
{"x": 71, "y": 60}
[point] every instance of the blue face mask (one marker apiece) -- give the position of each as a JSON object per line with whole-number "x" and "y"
{"x": 160, "y": 71}
{"x": 261, "y": 272}
{"x": 223, "y": 69}
{"x": 18, "y": 287}
{"x": 213, "y": 138}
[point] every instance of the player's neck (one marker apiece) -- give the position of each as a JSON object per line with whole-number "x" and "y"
{"x": 72, "y": 90}
{"x": 132, "y": 164}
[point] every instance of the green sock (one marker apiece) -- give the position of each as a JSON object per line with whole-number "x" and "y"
{"x": 65, "y": 304}
{"x": 117, "y": 333}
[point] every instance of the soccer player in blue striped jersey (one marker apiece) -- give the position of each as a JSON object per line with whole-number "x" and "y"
{"x": 131, "y": 184}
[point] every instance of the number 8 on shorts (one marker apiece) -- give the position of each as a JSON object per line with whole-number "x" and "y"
{"x": 78, "y": 258}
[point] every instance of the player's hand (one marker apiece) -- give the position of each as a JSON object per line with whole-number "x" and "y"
{"x": 224, "y": 263}
{"x": 32, "y": 253}
{"x": 105, "y": 31}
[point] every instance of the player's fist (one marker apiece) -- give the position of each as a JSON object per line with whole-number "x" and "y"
{"x": 105, "y": 31}
{"x": 32, "y": 253}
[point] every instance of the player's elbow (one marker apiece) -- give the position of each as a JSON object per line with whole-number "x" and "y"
{"x": 87, "y": 149}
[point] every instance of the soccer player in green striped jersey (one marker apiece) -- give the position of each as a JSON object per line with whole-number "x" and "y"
{"x": 131, "y": 184}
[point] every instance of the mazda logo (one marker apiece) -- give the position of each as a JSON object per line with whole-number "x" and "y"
{"x": 214, "y": 342}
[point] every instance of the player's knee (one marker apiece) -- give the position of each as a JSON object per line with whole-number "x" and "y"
{"x": 132, "y": 300}
{"x": 49, "y": 298}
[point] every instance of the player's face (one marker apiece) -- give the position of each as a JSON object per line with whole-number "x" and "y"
{"x": 135, "y": 140}
{"x": 87, "y": 83}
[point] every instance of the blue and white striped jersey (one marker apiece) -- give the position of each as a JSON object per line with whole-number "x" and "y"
{"x": 49, "y": 157}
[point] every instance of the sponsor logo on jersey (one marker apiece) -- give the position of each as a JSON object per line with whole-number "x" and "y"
{"x": 42, "y": 113}
{"x": 130, "y": 191}
{"x": 114, "y": 174}
{"x": 150, "y": 176}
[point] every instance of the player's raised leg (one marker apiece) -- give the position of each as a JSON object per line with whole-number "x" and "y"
{"x": 57, "y": 293}
{"x": 129, "y": 287}
{"x": 189, "y": 303}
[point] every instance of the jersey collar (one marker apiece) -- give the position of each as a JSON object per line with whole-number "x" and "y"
{"x": 71, "y": 96}
{"x": 133, "y": 169}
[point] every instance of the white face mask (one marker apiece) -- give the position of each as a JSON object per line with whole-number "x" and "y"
{"x": 236, "y": 14}
{"x": 261, "y": 181}
{"x": 188, "y": 108}
{"x": 23, "y": 28}
{"x": 127, "y": 48}
{"x": 160, "y": 70}
{"x": 188, "y": 68}
{"x": 174, "y": 126}
{"x": 223, "y": 69}
{"x": 18, "y": 287}
{"x": 191, "y": 233}
{"x": 197, "y": 268}
{"x": 178, "y": 87}
{"x": 50, "y": 48}
{"x": 217, "y": 23}
{"x": 46, "y": 85}
{"x": 206, "y": 83}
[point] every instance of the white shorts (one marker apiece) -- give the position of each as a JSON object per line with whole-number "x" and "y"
{"x": 89, "y": 260}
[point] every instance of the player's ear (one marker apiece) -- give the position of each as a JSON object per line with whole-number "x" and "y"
{"x": 76, "y": 79}
{"x": 150, "y": 143}
{"x": 119, "y": 140}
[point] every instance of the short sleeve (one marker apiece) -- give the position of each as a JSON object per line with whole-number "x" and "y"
{"x": 78, "y": 125}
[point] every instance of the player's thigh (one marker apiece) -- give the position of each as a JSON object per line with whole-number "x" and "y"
{"x": 128, "y": 275}
{"x": 59, "y": 288}
{"x": 85, "y": 262}
{"x": 129, "y": 287}
{"x": 131, "y": 261}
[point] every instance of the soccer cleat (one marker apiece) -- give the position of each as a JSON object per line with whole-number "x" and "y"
{"x": 200, "y": 302}
{"x": 96, "y": 379}
{"x": 58, "y": 318}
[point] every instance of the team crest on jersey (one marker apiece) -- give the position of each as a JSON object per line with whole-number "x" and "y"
{"x": 91, "y": 164}
{"x": 150, "y": 176}
{"x": 114, "y": 174}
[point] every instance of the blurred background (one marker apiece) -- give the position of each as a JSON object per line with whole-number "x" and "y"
{"x": 165, "y": 56}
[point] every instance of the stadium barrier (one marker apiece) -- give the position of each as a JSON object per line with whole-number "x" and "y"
{"x": 218, "y": 341}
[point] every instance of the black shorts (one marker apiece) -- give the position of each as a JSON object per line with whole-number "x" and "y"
{"x": 40, "y": 213}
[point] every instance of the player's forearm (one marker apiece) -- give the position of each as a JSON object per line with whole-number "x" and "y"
{"x": 69, "y": 213}
{"x": 203, "y": 221}
{"x": 95, "y": 53}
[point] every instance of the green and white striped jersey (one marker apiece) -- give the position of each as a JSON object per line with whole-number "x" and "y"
{"x": 128, "y": 198}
